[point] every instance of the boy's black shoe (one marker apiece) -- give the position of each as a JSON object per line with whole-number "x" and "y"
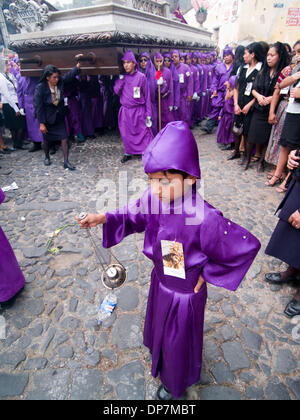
{"x": 47, "y": 162}
{"x": 164, "y": 394}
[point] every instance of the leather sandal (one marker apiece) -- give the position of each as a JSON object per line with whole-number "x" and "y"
{"x": 272, "y": 184}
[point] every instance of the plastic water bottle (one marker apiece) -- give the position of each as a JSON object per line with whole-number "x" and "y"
{"x": 107, "y": 307}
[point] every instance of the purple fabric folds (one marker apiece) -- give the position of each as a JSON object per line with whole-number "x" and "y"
{"x": 11, "y": 276}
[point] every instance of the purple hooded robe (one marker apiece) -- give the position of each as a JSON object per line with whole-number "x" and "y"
{"x": 25, "y": 91}
{"x": 186, "y": 89}
{"x": 224, "y": 133}
{"x": 218, "y": 249}
{"x": 150, "y": 72}
{"x": 11, "y": 276}
{"x": 166, "y": 94}
{"x": 220, "y": 76}
{"x": 133, "y": 112}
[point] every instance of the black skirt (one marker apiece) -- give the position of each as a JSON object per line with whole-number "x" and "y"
{"x": 260, "y": 129}
{"x": 290, "y": 136}
{"x": 285, "y": 240}
{"x": 56, "y": 131}
{"x": 11, "y": 121}
{"x": 245, "y": 120}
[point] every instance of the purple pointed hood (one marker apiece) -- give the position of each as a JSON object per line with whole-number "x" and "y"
{"x": 129, "y": 56}
{"x": 174, "y": 147}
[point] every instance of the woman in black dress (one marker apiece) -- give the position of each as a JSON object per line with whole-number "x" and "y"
{"x": 50, "y": 109}
{"x": 263, "y": 89}
{"x": 243, "y": 99}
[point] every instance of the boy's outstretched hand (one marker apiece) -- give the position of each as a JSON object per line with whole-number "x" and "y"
{"x": 200, "y": 283}
{"x": 91, "y": 220}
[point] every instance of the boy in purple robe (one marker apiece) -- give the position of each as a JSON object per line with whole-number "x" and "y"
{"x": 12, "y": 280}
{"x": 136, "y": 112}
{"x": 186, "y": 88}
{"x": 168, "y": 62}
{"x": 220, "y": 76}
{"x": 190, "y": 244}
{"x": 166, "y": 90}
{"x": 225, "y": 135}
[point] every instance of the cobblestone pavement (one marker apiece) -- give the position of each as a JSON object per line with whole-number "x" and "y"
{"x": 54, "y": 348}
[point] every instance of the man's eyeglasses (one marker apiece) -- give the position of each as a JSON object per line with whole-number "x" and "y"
{"x": 167, "y": 60}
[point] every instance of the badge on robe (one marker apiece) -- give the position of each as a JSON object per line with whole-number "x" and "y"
{"x": 173, "y": 259}
{"x": 137, "y": 92}
{"x": 181, "y": 78}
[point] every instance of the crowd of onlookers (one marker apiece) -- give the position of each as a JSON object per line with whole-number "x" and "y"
{"x": 251, "y": 95}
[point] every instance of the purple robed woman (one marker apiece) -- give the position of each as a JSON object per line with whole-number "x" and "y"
{"x": 11, "y": 276}
{"x": 135, "y": 99}
{"x": 213, "y": 247}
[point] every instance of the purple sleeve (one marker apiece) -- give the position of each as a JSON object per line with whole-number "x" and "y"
{"x": 231, "y": 249}
{"x": 2, "y": 196}
{"x": 123, "y": 222}
{"x": 118, "y": 86}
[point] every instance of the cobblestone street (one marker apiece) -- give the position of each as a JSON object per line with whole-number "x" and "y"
{"x": 54, "y": 348}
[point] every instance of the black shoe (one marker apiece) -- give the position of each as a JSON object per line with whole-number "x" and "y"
{"x": 234, "y": 156}
{"x": 47, "y": 162}
{"x": 35, "y": 147}
{"x": 164, "y": 394}
{"x": 292, "y": 308}
{"x": 67, "y": 165}
{"x": 275, "y": 278}
{"x": 125, "y": 158}
{"x": 53, "y": 150}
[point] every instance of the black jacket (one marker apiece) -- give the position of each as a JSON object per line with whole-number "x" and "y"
{"x": 44, "y": 109}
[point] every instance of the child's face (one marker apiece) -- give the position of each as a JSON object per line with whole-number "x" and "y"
{"x": 168, "y": 187}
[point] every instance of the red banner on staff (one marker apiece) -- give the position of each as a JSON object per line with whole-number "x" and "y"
{"x": 293, "y": 17}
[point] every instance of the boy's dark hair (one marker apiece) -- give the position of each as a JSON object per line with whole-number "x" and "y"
{"x": 176, "y": 171}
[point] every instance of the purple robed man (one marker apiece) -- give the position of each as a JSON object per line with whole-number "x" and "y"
{"x": 136, "y": 109}
{"x": 213, "y": 247}
{"x": 74, "y": 115}
{"x": 176, "y": 87}
{"x": 25, "y": 91}
{"x": 166, "y": 92}
{"x": 220, "y": 76}
{"x": 186, "y": 88}
{"x": 149, "y": 72}
{"x": 11, "y": 276}
{"x": 224, "y": 133}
